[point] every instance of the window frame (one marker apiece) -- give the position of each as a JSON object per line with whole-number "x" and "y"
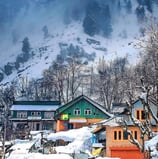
{"x": 125, "y": 135}
{"x": 135, "y": 134}
{"x": 48, "y": 115}
{"x": 88, "y": 111}
{"x": 36, "y": 113}
{"x": 77, "y": 111}
{"x": 140, "y": 114}
{"x": 119, "y": 135}
{"x": 21, "y": 114}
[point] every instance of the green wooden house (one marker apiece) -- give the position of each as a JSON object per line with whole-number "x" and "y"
{"x": 34, "y": 115}
{"x": 81, "y": 111}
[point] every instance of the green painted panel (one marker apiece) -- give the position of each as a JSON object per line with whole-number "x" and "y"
{"x": 37, "y": 103}
{"x": 83, "y": 105}
{"x": 14, "y": 114}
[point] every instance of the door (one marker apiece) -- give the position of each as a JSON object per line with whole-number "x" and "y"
{"x": 126, "y": 153}
{"x": 37, "y": 126}
{"x": 70, "y": 126}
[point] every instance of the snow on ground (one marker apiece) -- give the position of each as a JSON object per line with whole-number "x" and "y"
{"x": 40, "y": 156}
{"x": 152, "y": 145}
{"x": 80, "y": 142}
{"x": 21, "y": 147}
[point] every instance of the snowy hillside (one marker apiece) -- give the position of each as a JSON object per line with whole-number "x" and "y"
{"x": 53, "y": 26}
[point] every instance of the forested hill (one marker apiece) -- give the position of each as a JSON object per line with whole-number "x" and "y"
{"x": 41, "y": 36}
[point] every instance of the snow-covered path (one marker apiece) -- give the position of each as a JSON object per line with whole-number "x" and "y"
{"x": 80, "y": 142}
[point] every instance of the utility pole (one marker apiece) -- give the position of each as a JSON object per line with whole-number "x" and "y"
{"x": 4, "y": 138}
{"x": 4, "y": 119}
{"x": 3, "y": 129}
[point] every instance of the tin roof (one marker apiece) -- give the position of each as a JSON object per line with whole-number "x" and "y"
{"x": 35, "y": 105}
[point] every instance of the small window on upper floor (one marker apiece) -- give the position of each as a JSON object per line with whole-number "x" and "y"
{"x": 125, "y": 135}
{"x": 120, "y": 135}
{"x": 21, "y": 114}
{"x": 115, "y": 135}
{"x": 87, "y": 111}
{"x": 140, "y": 115}
{"x": 35, "y": 113}
{"x": 135, "y": 134}
{"x": 48, "y": 115}
{"x": 77, "y": 111}
{"x": 143, "y": 116}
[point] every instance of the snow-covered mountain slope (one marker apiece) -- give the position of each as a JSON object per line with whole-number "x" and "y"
{"x": 52, "y": 25}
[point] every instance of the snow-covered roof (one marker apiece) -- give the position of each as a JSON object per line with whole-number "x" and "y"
{"x": 34, "y": 107}
{"x": 70, "y": 135}
{"x": 112, "y": 122}
{"x": 97, "y": 145}
{"x": 22, "y": 147}
{"x": 118, "y": 108}
{"x": 80, "y": 143}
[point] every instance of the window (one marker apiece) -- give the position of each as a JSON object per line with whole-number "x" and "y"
{"x": 35, "y": 113}
{"x": 21, "y": 114}
{"x": 140, "y": 115}
{"x": 21, "y": 126}
{"x": 48, "y": 115}
{"x": 143, "y": 116}
{"x": 135, "y": 134}
{"x": 87, "y": 111}
{"x": 77, "y": 111}
{"x": 125, "y": 135}
{"x": 120, "y": 135}
{"x": 115, "y": 135}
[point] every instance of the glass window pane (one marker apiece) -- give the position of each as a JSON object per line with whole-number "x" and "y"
{"x": 125, "y": 135}
{"x": 137, "y": 114}
{"x": 115, "y": 135}
{"x": 143, "y": 116}
{"x": 119, "y": 136}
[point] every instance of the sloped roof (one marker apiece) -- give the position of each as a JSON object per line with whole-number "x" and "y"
{"x": 36, "y": 102}
{"x": 35, "y": 105}
{"x": 71, "y": 103}
{"x": 118, "y": 107}
{"x": 151, "y": 99}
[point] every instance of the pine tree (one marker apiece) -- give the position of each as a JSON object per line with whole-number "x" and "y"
{"x": 90, "y": 21}
{"x": 26, "y": 46}
{"x": 129, "y": 7}
{"x": 45, "y": 31}
{"x": 140, "y": 12}
{"x": 25, "y": 49}
{"x": 148, "y": 4}
{"x": 105, "y": 21}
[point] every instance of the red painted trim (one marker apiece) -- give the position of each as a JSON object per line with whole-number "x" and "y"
{"x": 123, "y": 148}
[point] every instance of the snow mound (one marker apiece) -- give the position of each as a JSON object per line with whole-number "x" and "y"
{"x": 40, "y": 156}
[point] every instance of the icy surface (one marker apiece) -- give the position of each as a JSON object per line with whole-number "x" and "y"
{"x": 81, "y": 142}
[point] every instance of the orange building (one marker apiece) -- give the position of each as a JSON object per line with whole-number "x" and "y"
{"x": 118, "y": 145}
{"x": 118, "y": 139}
